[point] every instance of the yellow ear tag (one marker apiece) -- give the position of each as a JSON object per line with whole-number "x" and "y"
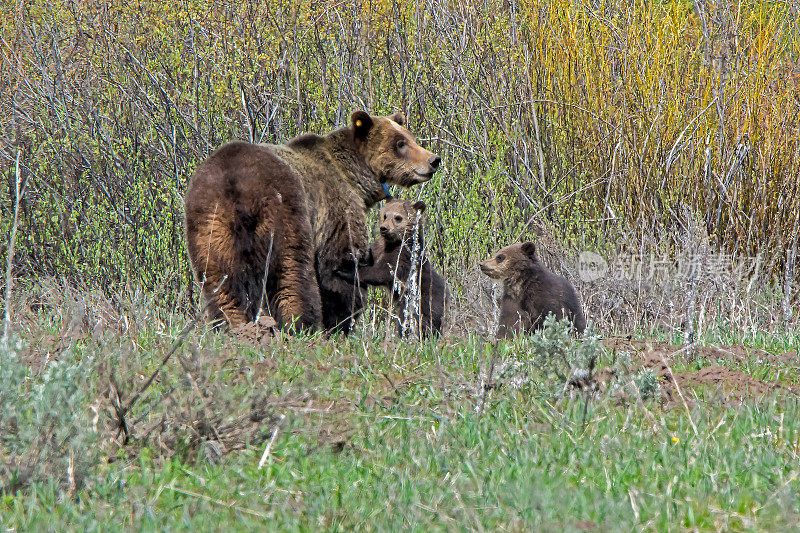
{"x": 358, "y": 123}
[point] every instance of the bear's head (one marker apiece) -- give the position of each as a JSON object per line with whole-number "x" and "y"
{"x": 391, "y": 152}
{"x": 398, "y": 218}
{"x": 511, "y": 261}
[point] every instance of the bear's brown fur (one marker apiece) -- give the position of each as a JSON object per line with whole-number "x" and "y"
{"x": 530, "y": 292}
{"x": 390, "y": 266}
{"x": 271, "y": 223}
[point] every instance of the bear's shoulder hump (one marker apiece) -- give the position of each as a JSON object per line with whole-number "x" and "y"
{"x": 307, "y": 141}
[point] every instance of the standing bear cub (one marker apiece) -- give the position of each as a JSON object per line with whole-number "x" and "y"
{"x": 391, "y": 264}
{"x": 268, "y": 225}
{"x": 530, "y": 292}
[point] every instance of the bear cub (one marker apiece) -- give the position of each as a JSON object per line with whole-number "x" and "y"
{"x": 389, "y": 265}
{"x": 530, "y": 292}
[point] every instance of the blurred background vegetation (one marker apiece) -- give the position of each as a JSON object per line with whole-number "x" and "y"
{"x": 605, "y": 125}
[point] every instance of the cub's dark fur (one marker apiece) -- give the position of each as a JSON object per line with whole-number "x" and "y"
{"x": 530, "y": 292}
{"x": 391, "y": 267}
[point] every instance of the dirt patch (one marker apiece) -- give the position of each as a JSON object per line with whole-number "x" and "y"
{"x": 726, "y": 378}
{"x": 736, "y": 353}
{"x": 256, "y": 333}
{"x": 789, "y": 358}
{"x": 727, "y": 384}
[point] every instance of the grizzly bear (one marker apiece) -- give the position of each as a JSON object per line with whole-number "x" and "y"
{"x": 530, "y": 292}
{"x": 391, "y": 264}
{"x": 267, "y": 225}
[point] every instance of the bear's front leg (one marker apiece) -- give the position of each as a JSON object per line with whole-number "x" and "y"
{"x": 366, "y": 271}
{"x": 342, "y": 300}
{"x": 511, "y": 321}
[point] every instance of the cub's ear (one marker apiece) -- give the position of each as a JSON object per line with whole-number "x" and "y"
{"x": 419, "y": 206}
{"x": 529, "y": 249}
{"x": 399, "y": 118}
{"x": 362, "y": 123}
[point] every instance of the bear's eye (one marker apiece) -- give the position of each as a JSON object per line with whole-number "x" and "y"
{"x": 398, "y": 218}
{"x": 401, "y": 144}
{"x": 501, "y": 258}
{"x": 384, "y": 216}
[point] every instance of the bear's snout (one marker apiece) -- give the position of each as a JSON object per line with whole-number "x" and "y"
{"x": 429, "y": 168}
{"x": 491, "y": 269}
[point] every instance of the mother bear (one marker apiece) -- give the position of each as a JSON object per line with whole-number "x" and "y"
{"x": 268, "y": 225}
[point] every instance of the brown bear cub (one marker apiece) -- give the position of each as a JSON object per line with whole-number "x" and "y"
{"x": 268, "y": 225}
{"x": 530, "y": 292}
{"x": 391, "y": 264}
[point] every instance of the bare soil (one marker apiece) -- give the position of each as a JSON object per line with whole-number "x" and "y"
{"x": 729, "y": 385}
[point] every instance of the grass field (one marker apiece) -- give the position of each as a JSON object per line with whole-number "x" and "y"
{"x": 369, "y": 432}
{"x": 662, "y": 136}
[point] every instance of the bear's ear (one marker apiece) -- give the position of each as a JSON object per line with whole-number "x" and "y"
{"x": 529, "y": 249}
{"x": 362, "y": 123}
{"x": 399, "y": 118}
{"x": 419, "y": 205}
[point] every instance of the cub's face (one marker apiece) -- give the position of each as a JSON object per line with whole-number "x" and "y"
{"x": 508, "y": 262}
{"x": 398, "y": 217}
{"x": 391, "y": 151}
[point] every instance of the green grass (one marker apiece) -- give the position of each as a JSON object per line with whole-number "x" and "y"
{"x": 390, "y": 436}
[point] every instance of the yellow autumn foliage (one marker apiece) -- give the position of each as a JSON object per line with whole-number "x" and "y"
{"x": 591, "y": 114}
